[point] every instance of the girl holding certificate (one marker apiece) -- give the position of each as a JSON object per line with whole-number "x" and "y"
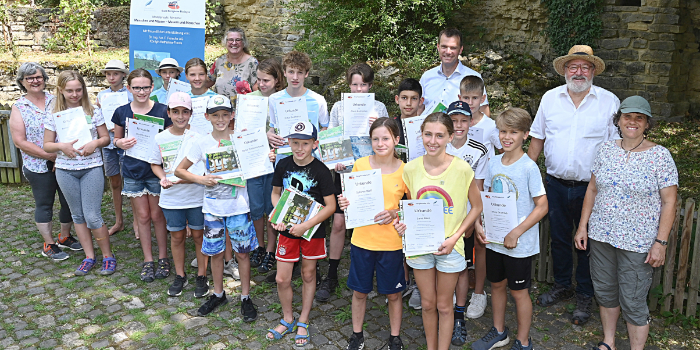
{"x": 438, "y": 175}
{"x": 79, "y": 171}
{"x": 378, "y": 247}
{"x": 196, "y": 73}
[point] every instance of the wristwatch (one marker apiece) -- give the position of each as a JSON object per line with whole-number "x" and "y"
{"x": 663, "y": 243}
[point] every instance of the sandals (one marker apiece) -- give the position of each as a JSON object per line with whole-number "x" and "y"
{"x": 290, "y": 327}
{"x": 163, "y": 270}
{"x": 299, "y": 336}
{"x": 602, "y": 344}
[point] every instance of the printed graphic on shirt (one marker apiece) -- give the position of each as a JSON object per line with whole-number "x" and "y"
{"x": 501, "y": 183}
{"x": 301, "y": 180}
{"x": 219, "y": 191}
{"x": 435, "y": 192}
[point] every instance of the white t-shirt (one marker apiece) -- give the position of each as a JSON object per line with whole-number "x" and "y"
{"x": 379, "y": 111}
{"x": 79, "y": 162}
{"x": 218, "y": 200}
{"x": 180, "y": 196}
{"x": 490, "y": 135}
{"x": 474, "y": 153}
{"x": 316, "y": 107}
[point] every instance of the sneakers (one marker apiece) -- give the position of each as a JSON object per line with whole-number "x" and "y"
{"x": 459, "y": 333}
{"x": 414, "y": 301}
{"x": 249, "y": 310}
{"x": 328, "y": 286}
{"x": 194, "y": 263}
{"x": 163, "y": 269}
{"x": 355, "y": 343}
{"x": 517, "y": 345}
{"x": 409, "y": 289}
{"x": 201, "y": 287}
{"x": 179, "y": 283}
{"x": 395, "y": 344}
{"x": 53, "y": 252}
{"x": 555, "y": 295}
{"x": 477, "y": 305}
{"x": 257, "y": 256}
{"x": 148, "y": 272}
{"x": 268, "y": 261}
{"x": 492, "y": 340}
{"x": 583, "y": 309}
{"x": 69, "y": 243}
{"x": 109, "y": 265}
{"x": 85, "y": 267}
{"x": 212, "y": 303}
{"x": 231, "y": 269}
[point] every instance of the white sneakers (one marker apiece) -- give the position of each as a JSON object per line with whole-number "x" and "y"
{"x": 231, "y": 268}
{"x": 477, "y": 305}
{"x": 414, "y": 301}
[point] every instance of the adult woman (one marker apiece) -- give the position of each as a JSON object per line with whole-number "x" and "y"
{"x": 27, "y": 128}
{"x": 236, "y": 69}
{"x": 627, "y": 213}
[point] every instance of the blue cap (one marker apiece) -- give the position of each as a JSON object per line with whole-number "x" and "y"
{"x": 459, "y": 107}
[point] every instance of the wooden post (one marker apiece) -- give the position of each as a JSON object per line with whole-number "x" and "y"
{"x": 694, "y": 283}
{"x": 671, "y": 257}
{"x": 683, "y": 256}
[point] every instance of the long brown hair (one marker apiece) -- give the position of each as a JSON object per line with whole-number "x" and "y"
{"x": 272, "y": 67}
{"x": 139, "y": 73}
{"x": 63, "y": 79}
{"x": 389, "y": 124}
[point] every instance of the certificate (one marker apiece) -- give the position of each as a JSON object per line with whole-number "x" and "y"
{"x": 334, "y": 148}
{"x": 72, "y": 124}
{"x": 198, "y": 122}
{"x": 145, "y": 133}
{"x": 476, "y": 134}
{"x": 425, "y": 226}
{"x": 110, "y": 102}
{"x": 221, "y": 161}
{"x": 357, "y": 109}
{"x": 169, "y": 152}
{"x": 433, "y": 107}
{"x": 295, "y": 207}
{"x": 160, "y": 122}
{"x": 500, "y": 215}
{"x": 288, "y": 112}
{"x": 251, "y": 112}
{"x": 175, "y": 86}
{"x": 252, "y": 152}
{"x": 413, "y": 136}
{"x": 365, "y": 192}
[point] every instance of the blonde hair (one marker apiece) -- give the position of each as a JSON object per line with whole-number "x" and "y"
{"x": 514, "y": 118}
{"x": 61, "y": 82}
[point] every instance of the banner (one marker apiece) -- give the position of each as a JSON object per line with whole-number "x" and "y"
{"x": 164, "y": 28}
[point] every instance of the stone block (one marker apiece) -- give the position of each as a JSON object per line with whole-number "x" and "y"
{"x": 645, "y": 79}
{"x": 663, "y": 3}
{"x": 660, "y": 109}
{"x": 636, "y": 17}
{"x": 608, "y": 17}
{"x": 608, "y": 33}
{"x": 636, "y": 67}
{"x": 657, "y": 56}
{"x": 612, "y": 83}
{"x": 649, "y": 9}
{"x": 666, "y": 19}
{"x": 656, "y": 88}
{"x": 606, "y": 55}
{"x": 662, "y": 45}
{"x": 668, "y": 36}
{"x": 646, "y": 35}
{"x": 666, "y": 28}
{"x": 612, "y": 44}
{"x": 615, "y": 68}
{"x": 639, "y": 43}
{"x": 629, "y": 55}
{"x": 637, "y": 26}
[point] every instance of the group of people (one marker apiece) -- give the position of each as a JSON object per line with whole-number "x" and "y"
{"x": 604, "y": 178}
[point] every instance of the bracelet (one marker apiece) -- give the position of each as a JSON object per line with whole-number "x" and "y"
{"x": 663, "y": 243}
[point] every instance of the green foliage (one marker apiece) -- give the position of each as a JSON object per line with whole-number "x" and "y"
{"x": 573, "y": 22}
{"x": 73, "y": 32}
{"x": 210, "y": 24}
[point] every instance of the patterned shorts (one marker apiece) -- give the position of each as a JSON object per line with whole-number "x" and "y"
{"x": 240, "y": 230}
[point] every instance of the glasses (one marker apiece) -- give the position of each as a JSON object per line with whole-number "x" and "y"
{"x": 238, "y": 40}
{"x": 141, "y": 88}
{"x": 584, "y": 68}
{"x": 34, "y": 79}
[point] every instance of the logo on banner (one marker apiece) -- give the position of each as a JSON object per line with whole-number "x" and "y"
{"x": 173, "y": 5}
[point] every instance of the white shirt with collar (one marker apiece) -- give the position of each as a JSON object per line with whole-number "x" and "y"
{"x": 439, "y": 87}
{"x": 572, "y": 135}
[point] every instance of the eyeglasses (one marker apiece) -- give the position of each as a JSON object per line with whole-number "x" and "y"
{"x": 230, "y": 40}
{"x": 141, "y": 88}
{"x": 34, "y": 79}
{"x": 584, "y": 68}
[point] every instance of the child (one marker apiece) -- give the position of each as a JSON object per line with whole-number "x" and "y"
{"x": 181, "y": 200}
{"x": 440, "y": 175}
{"x": 309, "y": 175}
{"x": 79, "y": 172}
{"x": 360, "y": 77}
{"x": 270, "y": 80}
{"x": 225, "y": 212}
{"x": 115, "y": 71}
{"x": 167, "y": 69}
{"x": 408, "y": 98}
{"x": 140, "y": 183}
{"x": 196, "y": 73}
{"x": 474, "y": 153}
{"x": 509, "y": 265}
{"x": 378, "y": 247}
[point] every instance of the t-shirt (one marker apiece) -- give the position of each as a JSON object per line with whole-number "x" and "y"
{"x": 179, "y": 196}
{"x": 206, "y": 93}
{"x": 315, "y": 104}
{"x": 524, "y": 179}
{"x": 161, "y": 94}
{"x": 131, "y": 167}
{"x": 452, "y": 187}
{"x": 381, "y": 237}
{"x": 490, "y": 133}
{"x": 218, "y": 200}
{"x": 79, "y": 162}
{"x": 107, "y": 91}
{"x": 314, "y": 179}
{"x": 474, "y": 153}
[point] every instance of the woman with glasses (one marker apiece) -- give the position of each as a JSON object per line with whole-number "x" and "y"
{"x": 141, "y": 185}
{"x": 236, "y": 71}
{"x": 27, "y": 129}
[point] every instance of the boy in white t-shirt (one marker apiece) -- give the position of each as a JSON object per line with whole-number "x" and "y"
{"x": 482, "y": 128}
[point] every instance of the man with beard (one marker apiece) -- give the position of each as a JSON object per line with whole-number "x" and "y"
{"x": 573, "y": 120}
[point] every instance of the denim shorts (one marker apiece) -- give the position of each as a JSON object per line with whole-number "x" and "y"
{"x": 240, "y": 230}
{"x": 137, "y": 188}
{"x": 260, "y": 196}
{"x": 451, "y": 263}
{"x": 177, "y": 219}
{"x": 112, "y": 158}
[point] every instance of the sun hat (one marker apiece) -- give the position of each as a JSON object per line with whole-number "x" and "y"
{"x": 169, "y": 63}
{"x": 115, "y": 65}
{"x": 180, "y": 99}
{"x": 636, "y": 104}
{"x": 459, "y": 107}
{"x": 303, "y": 131}
{"x": 579, "y": 52}
{"x": 217, "y": 103}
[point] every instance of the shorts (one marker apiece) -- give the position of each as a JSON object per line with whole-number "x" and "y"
{"x": 112, "y": 158}
{"x": 389, "y": 267}
{"x": 288, "y": 249}
{"x": 240, "y": 230}
{"x": 518, "y": 271}
{"x": 451, "y": 263}
{"x": 260, "y": 196}
{"x": 177, "y": 219}
{"x": 137, "y": 188}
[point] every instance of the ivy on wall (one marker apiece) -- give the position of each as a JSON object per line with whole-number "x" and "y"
{"x": 573, "y": 22}
{"x": 73, "y": 33}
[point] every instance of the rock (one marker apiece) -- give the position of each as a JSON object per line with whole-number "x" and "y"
{"x": 496, "y": 90}
{"x": 135, "y": 303}
{"x": 133, "y": 327}
{"x": 387, "y": 72}
{"x": 493, "y": 56}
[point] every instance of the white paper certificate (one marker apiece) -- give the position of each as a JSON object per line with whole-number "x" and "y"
{"x": 145, "y": 133}
{"x": 175, "y": 86}
{"x": 364, "y": 191}
{"x": 72, "y": 124}
{"x": 425, "y": 226}
{"x": 251, "y": 112}
{"x": 414, "y": 139}
{"x": 500, "y": 215}
{"x": 198, "y": 122}
{"x": 357, "y": 109}
{"x": 252, "y": 152}
{"x": 110, "y": 102}
{"x": 476, "y": 134}
{"x": 288, "y": 112}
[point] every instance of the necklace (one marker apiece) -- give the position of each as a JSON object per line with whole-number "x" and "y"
{"x": 627, "y": 153}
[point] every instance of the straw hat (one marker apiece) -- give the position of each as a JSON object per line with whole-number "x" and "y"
{"x": 579, "y": 52}
{"x": 169, "y": 63}
{"x": 115, "y": 65}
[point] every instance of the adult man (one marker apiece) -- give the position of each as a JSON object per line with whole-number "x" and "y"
{"x": 571, "y": 123}
{"x": 441, "y": 84}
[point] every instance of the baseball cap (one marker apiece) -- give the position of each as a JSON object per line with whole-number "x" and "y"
{"x": 180, "y": 99}
{"x": 217, "y": 103}
{"x": 636, "y": 104}
{"x": 303, "y": 131}
{"x": 458, "y": 107}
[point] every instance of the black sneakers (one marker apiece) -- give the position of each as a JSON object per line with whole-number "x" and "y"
{"x": 328, "y": 286}
{"x": 201, "y": 288}
{"x": 555, "y": 295}
{"x": 249, "y": 310}
{"x": 396, "y": 343}
{"x": 355, "y": 343}
{"x": 179, "y": 283}
{"x": 583, "y": 309}
{"x": 212, "y": 303}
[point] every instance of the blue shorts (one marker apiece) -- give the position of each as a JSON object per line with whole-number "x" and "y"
{"x": 260, "y": 196}
{"x": 240, "y": 229}
{"x": 112, "y": 158}
{"x": 451, "y": 263}
{"x": 137, "y": 188}
{"x": 389, "y": 267}
{"x": 176, "y": 219}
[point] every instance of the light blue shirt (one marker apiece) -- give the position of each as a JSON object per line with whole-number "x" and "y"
{"x": 207, "y": 93}
{"x": 161, "y": 94}
{"x": 439, "y": 87}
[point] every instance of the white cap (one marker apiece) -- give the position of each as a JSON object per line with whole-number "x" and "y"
{"x": 217, "y": 103}
{"x": 169, "y": 63}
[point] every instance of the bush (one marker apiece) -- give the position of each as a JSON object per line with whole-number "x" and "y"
{"x": 573, "y": 22}
{"x": 73, "y": 27}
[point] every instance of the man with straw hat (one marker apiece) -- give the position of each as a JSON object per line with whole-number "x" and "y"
{"x": 573, "y": 120}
